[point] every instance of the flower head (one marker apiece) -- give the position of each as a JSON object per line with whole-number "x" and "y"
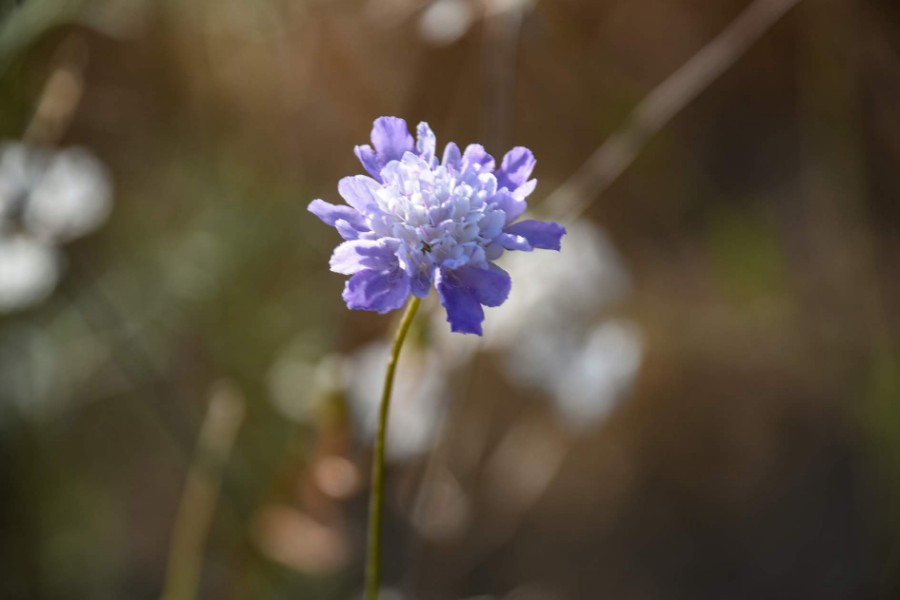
{"x": 418, "y": 222}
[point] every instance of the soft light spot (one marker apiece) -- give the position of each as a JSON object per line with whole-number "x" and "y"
{"x": 444, "y": 22}
{"x": 28, "y": 272}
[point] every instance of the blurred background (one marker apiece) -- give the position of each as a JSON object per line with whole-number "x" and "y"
{"x": 699, "y": 397}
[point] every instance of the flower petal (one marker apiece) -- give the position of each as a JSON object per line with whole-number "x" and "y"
{"x": 378, "y": 291}
{"x": 358, "y": 191}
{"x": 475, "y": 154}
{"x": 491, "y": 285}
{"x": 464, "y": 312}
{"x": 331, "y": 213}
{"x": 426, "y": 143}
{"x": 369, "y": 160}
{"x": 390, "y": 138}
{"x": 524, "y": 190}
{"x": 420, "y": 282}
{"x": 513, "y": 242}
{"x": 538, "y": 233}
{"x": 348, "y": 231}
{"x": 355, "y": 255}
{"x": 493, "y": 251}
{"x": 452, "y": 158}
{"x": 515, "y": 168}
{"x": 509, "y": 204}
{"x": 418, "y": 268}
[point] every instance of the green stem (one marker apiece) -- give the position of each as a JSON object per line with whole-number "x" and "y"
{"x": 376, "y": 500}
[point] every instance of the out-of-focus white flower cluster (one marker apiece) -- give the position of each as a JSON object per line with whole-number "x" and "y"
{"x": 47, "y": 198}
{"x": 443, "y": 22}
{"x": 554, "y": 336}
{"x": 298, "y": 385}
{"x": 418, "y": 399}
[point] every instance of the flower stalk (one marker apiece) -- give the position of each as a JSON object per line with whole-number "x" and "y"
{"x": 376, "y": 500}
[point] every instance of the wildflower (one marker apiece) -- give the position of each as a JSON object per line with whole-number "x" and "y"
{"x": 54, "y": 196}
{"x": 29, "y": 269}
{"x": 46, "y": 198}
{"x": 418, "y": 222}
{"x": 444, "y": 22}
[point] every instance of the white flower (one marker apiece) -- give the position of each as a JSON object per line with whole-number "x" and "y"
{"x": 28, "y": 271}
{"x": 443, "y": 22}
{"x": 555, "y": 335}
{"x": 54, "y": 195}
{"x": 416, "y": 403}
{"x": 46, "y": 198}
{"x": 602, "y": 372}
{"x": 70, "y": 199}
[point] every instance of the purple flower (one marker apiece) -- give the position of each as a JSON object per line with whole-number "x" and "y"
{"x": 419, "y": 222}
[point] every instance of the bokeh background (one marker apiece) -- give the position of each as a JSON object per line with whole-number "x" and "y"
{"x": 699, "y": 397}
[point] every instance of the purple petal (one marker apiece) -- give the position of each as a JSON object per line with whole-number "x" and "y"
{"x": 524, "y": 190}
{"x": 356, "y": 255}
{"x": 419, "y": 270}
{"x": 378, "y": 291}
{"x": 391, "y": 139}
{"x": 491, "y": 285}
{"x": 348, "y": 231}
{"x": 493, "y": 251}
{"x": 513, "y": 242}
{"x": 539, "y": 234}
{"x": 452, "y": 158}
{"x": 369, "y": 160}
{"x": 420, "y": 282}
{"x": 358, "y": 192}
{"x": 464, "y": 312}
{"x": 516, "y": 168}
{"x": 509, "y": 204}
{"x": 475, "y": 154}
{"x": 426, "y": 142}
{"x": 331, "y": 213}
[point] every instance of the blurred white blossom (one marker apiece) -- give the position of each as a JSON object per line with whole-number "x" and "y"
{"x": 417, "y": 401}
{"x": 601, "y": 373}
{"x": 554, "y": 333}
{"x": 46, "y": 198}
{"x": 300, "y": 384}
{"x": 28, "y": 271}
{"x": 70, "y": 197}
{"x": 553, "y": 288}
{"x": 443, "y": 22}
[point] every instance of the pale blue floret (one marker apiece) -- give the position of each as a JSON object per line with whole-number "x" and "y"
{"x": 421, "y": 223}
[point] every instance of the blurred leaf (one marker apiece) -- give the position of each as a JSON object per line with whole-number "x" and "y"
{"x": 28, "y": 22}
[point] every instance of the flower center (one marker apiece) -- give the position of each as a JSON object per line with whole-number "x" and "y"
{"x": 443, "y": 218}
